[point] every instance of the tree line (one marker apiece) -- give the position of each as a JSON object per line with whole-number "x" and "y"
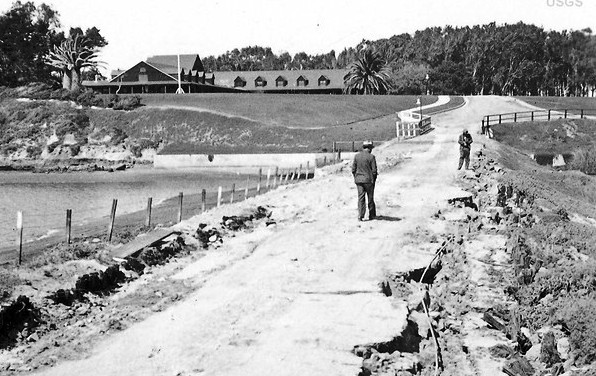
{"x": 509, "y": 59}
{"x": 33, "y": 48}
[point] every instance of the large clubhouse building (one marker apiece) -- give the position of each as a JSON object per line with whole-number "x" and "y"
{"x": 160, "y": 74}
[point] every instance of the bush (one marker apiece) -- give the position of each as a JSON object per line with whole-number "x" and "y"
{"x": 584, "y": 160}
{"x": 579, "y": 315}
{"x": 145, "y": 143}
{"x": 75, "y": 123}
{"x": 117, "y": 136}
{"x": 128, "y": 103}
{"x": 75, "y": 149}
{"x": 53, "y": 146}
{"x": 34, "y": 151}
{"x": 8, "y": 149}
{"x": 88, "y": 98}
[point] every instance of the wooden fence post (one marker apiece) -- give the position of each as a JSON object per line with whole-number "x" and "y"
{"x": 325, "y": 161}
{"x": 581, "y": 114}
{"x": 68, "y": 225}
{"x": 219, "y": 191}
{"x": 353, "y": 146}
{"x": 515, "y": 117}
{"x": 246, "y": 189}
{"x": 287, "y": 176}
{"x": 180, "y": 195}
{"x": 565, "y": 114}
{"x": 499, "y": 118}
{"x": 307, "y": 169}
{"x": 268, "y": 177}
{"x": 112, "y": 219}
{"x": 203, "y": 200}
{"x": 532, "y": 116}
{"x": 148, "y": 213}
{"x": 548, "y": 114}
{"x": 20, "y": 235}
{"x": 300, "y": 171}
{"x": 232, "y": 193}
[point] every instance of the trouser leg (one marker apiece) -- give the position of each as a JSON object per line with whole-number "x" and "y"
{"x": 370, "y": 196}
{"x": 464, "y": 156}
{"x": 467, "y": 158}
{"x": 361, "y": 204}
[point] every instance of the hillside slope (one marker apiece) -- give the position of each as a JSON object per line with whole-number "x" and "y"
{"x": 49, "y": 132}
{"x": 295, "y": 110}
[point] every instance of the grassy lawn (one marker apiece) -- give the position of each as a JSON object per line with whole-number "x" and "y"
{"x": 188, "y": 131}
{"x": 293, "y": 110}
{"x": 556, "y": 103}
{"x": 549, "y": 137}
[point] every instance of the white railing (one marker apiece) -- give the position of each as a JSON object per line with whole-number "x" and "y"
{"x": 411, "y": 124}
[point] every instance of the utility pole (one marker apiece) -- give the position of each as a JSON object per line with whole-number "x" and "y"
{"x": 179, "y": 90}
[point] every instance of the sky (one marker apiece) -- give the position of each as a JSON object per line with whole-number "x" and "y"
{"x": 137, "y": 29}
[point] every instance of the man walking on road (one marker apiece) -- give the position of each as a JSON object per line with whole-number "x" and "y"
{"x": 465, "y": 142}
{"x": 364, "y": 169}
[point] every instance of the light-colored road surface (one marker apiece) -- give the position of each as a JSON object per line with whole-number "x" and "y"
{"x": 294, "y": 299}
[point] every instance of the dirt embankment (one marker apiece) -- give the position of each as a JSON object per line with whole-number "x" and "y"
{"x": 513, "y": 290}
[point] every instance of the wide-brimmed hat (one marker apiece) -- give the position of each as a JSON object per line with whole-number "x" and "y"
{"x": 368, "y": 144}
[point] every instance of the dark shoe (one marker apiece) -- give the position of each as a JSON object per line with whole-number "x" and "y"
{"x": 372, "y": 217}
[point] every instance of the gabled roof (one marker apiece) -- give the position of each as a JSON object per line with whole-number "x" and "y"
{"x": 335, "y": 77}
{"x": 141, "y": 63}
{"x": 169, "y": 63}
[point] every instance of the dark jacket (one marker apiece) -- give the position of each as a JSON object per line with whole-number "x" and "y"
{"x": 364, "y": 168}
{"x": 465, "y": 140}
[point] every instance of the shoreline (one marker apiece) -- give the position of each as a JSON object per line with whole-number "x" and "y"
{"x": 68, "y": 165}
{"x": 128, "y": 225}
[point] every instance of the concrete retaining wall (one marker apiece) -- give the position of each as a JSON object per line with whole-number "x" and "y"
{"x": 219, "y": 161}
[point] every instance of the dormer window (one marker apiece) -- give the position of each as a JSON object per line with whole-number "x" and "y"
{"x": 301, "y": 81}
{"x": 239, "y": 82}
{"x": 323, "y": 81}
{"x": 260, "y": 82}
{"x": 281, "y": 81}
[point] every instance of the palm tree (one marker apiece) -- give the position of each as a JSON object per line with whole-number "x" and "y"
{"x": 71, "y": 57}
{"x": 367, "y": 75}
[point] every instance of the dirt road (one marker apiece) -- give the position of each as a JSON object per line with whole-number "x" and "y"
{"x": 295, "y": 298}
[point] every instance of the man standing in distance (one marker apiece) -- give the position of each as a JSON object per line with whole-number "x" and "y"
{"x": 364, "y": 169}
{"x": 465, "y": 142}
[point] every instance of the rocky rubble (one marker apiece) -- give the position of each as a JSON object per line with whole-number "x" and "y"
{"x": 493, "y": 300}
{"x": 209, "y": 235}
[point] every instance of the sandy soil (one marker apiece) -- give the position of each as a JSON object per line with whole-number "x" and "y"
{"x": 295, "y": 298}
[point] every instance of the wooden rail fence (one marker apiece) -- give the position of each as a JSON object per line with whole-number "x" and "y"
{"x": 536, "y": 115}
{"x": 185, "y": 208}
